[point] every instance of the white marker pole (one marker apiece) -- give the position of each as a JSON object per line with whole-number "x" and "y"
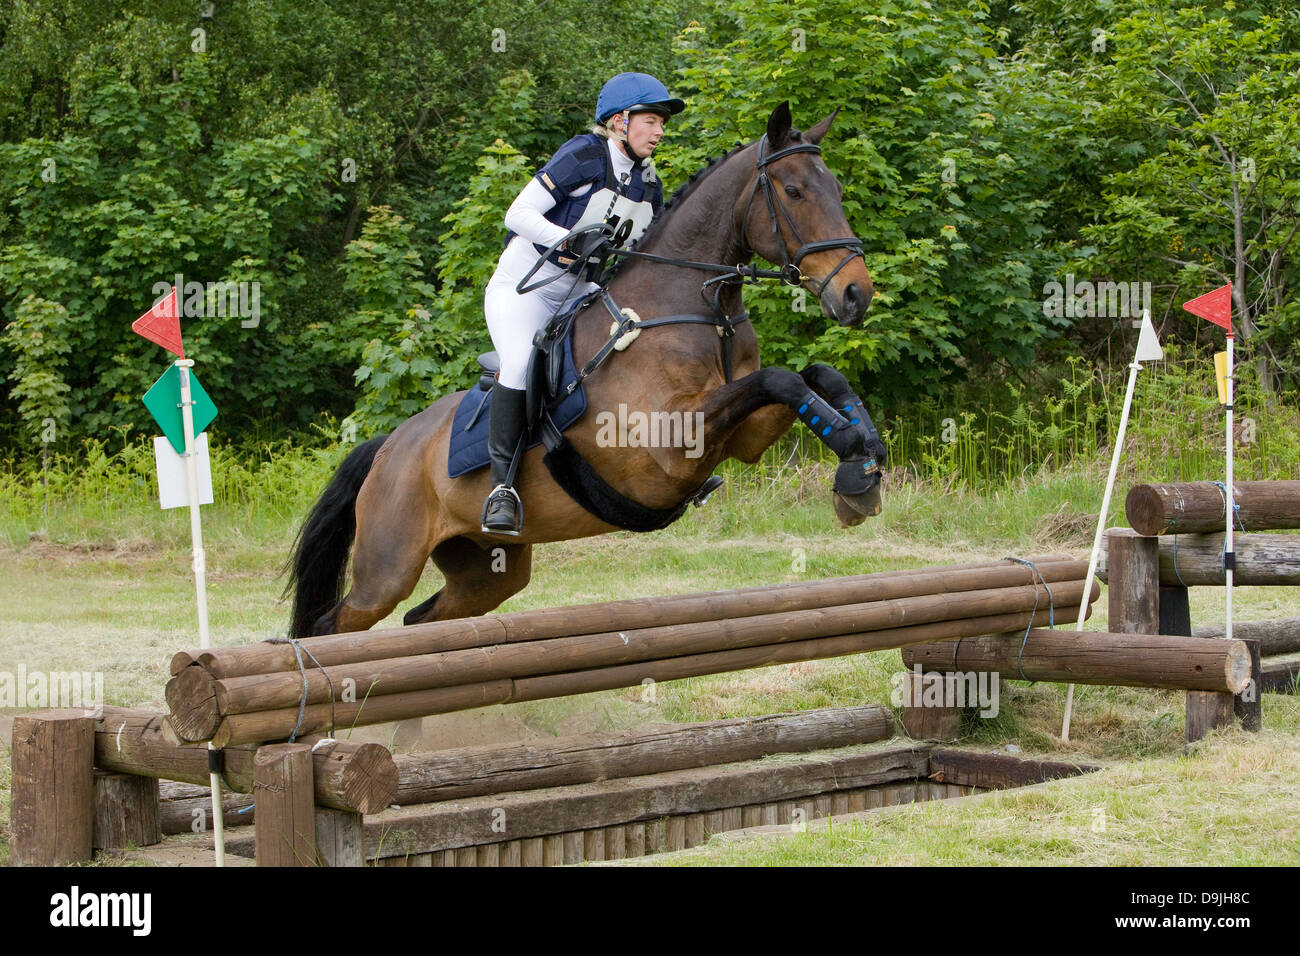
{"x": 1148, "y": 349}
{"x": 200, "y": 580}
{"x": 1229, "y": 556}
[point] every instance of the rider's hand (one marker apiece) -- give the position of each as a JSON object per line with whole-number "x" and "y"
{"x": 592, "y": 245}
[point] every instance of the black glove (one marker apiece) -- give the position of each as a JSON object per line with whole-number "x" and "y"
{"x": 593, "y": 245}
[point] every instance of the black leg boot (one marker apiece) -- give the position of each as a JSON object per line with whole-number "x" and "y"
{"x": 503, "y": 511}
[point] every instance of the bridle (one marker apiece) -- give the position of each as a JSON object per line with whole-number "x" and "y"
{"x": 790, "y": 272}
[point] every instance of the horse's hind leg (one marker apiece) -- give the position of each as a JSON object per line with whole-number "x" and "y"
{"x": 479, "y": 577}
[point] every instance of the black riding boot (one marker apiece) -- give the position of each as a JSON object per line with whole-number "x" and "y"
{"x": 503, "y": 511}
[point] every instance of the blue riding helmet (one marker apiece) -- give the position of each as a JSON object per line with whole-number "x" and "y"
{"x": 637, "y": 92}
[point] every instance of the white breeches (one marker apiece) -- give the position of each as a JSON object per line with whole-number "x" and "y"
{"x": 514, "y": 319}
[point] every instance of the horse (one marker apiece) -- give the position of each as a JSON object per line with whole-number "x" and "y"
{"x": 392, "y": 505}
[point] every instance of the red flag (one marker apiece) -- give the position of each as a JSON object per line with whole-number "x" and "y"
{"x": 162, "y": 325}
{"x": 1214, "y": 306}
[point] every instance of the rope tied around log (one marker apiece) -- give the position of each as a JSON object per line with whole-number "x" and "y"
{"x": 298, "y": 651}
{"x": 1051, "y": 613}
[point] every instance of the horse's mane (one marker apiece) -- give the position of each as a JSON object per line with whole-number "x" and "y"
{"x": 680, "y": 194}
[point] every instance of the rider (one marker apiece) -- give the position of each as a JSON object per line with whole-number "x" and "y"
{"x": 605, "y": 176}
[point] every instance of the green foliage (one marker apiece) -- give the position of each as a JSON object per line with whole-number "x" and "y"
{"x": 944, "y": 151}
{"x": 39, "y": 343}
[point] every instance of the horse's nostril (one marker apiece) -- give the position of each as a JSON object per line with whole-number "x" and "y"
{"x": 854, "y": 300}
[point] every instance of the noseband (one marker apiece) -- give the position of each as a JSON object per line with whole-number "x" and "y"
{"x": 790, "y": 272}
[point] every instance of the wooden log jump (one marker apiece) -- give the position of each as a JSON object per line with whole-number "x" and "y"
{"x": 1198, "y": 507}
{"x": 1094, "y": 657}
{"x": 633, "y": 614}
{"x": 218, "y": 696}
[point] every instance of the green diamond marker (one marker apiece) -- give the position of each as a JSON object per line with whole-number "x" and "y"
{"x": 164, "y": 402}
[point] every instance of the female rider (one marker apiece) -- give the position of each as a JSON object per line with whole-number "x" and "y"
{"x": 605, "y": 176}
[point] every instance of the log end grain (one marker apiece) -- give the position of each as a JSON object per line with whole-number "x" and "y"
{"x": 192, "y": 701}
{"x": 1145, "y": 509}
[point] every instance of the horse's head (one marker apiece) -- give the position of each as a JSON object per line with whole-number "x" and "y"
{"x": 792, "y": 215}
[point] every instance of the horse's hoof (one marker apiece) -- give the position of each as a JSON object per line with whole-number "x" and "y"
{"x": 847, "y": 515}
{"x": 852, "y": 510}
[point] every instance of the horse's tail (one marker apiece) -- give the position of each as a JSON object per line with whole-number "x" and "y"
{"x": 319, "y": 559}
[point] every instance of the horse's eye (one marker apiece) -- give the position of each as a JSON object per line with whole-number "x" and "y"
{"x": 793, "y": 193}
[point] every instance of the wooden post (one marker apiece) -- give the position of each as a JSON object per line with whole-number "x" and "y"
{"x": 1247, "y": 705}
{"x": 340, "y": 837}
{"x": 282, "y": 791}
{"x": 1206, "y": 711}
{"x": 932, "y": 722}
{"x": 53, "y": 811}
{"x": 127, "y": 811}
{"x": 1133, "y": 563}
{"x": 1175, "y": 611}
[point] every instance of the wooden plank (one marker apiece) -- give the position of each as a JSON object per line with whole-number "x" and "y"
{"x": 656, "y": 835}
{"x": 282, "y": 789}
{"x": 593, "y": 845}
{"x": 52, "y": 814}
{"x": 1201, "y": 506}
{"x": 340, "y": 838}
{"x": 573, "y": 847}
{"x": 489, "y": 854}
{"x": 694, "y": 829}
{"x": 463, "y": 772}
{"x": 991, "y": 771}
{"x": 675, "y": 834}
{"x": 126, "y": 811}
{"x": 553, "y": 850}
{"x": 530, "y": 853}
{"x": 512, "y": 853}
{"x": 615, "y": 843}
{"x": 635, "y": 840}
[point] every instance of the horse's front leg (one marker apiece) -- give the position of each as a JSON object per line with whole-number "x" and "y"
{"x": 745, "y": 416}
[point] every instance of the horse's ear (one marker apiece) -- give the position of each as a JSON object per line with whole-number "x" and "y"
{"x": 778, "y": 126}
{"x": 815, "y": 134}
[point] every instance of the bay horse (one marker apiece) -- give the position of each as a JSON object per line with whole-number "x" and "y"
{"x": 393, "y": 506}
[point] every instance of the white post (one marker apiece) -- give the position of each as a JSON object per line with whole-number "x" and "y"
{"x": 1101, "y": 527}
{"x": 200, "y": 576}
{"x": 1229, "y": 556}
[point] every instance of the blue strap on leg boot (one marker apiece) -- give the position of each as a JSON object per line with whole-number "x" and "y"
{"x": 849, "y": 433}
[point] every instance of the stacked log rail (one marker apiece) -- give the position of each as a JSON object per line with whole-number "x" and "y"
{"x": 1094, "y": 657}
{"x": 1197, "y": 507}
{"x": 257, "y": 693}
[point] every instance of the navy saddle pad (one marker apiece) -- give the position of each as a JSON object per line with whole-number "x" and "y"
{"x": 468, "y": 448}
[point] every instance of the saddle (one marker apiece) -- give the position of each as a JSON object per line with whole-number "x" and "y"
{"x": 555, "y": 400}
